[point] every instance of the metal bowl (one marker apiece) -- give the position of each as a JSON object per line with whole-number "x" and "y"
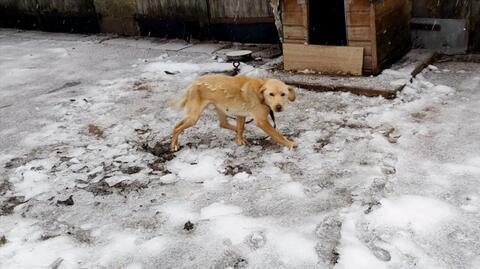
{"x": 239, "y": 55}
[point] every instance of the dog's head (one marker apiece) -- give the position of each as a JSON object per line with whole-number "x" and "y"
{"x": 275, "y": 94}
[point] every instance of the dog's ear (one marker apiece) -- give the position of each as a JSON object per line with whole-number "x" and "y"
{"x": 291, "y": 94}
{"x": 261, "y": 92}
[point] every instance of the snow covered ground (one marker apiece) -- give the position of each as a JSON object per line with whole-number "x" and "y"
{"x": 87, "y": 181}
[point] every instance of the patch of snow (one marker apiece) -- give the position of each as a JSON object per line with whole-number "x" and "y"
{"x": 216, "y": 210}
{"x": 293, "y": 189}
{"x": 179, "y": 213}
{"x": 421, "y": 214}
{"x": 353, "y": 253}
{"x": 197, "y": 166}
{"x": 168, "y": 179}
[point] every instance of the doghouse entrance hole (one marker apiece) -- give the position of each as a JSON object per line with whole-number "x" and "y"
{"x": 327, "y": 22}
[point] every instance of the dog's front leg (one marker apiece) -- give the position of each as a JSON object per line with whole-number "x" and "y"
{"x": 262, "y": 122}
{"x": 240, "y": 129}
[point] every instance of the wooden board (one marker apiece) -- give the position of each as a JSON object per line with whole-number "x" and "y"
{"x": 325, "y": 59}
{"x": 295, "y": 22}
{"x": 294, "y": 32}
{"x": 358, "y": 33}
{"x": 358, "y": 19}
{"x": 392, "y": 27}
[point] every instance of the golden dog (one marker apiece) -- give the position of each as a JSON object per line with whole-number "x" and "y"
{"x": 239, "y": 96}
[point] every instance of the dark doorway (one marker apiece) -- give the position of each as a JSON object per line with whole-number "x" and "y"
{"x": 327, "y": 22}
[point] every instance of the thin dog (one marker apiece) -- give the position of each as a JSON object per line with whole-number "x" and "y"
{"x": 240, "y": 97}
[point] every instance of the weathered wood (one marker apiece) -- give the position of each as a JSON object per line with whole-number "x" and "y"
{"x": 358, "y": 33}
{"x": 358, "y": 6}
{"x": 358, "y": 19}
{"x": 392, "y": 22}
{"x": 66, "y": 7}
{"x": 190, "y": 10}
{"x": 294, "y": 41}
{"x": 380, "y": 28}
{"x": 306, "y": 21}
{"x": 367, "y": 46}
{"x": 373, "y": 37}
{"x": 50, "y": 15}
{"x": 117, "y": 16}
{"x": 292, "y": 6}
{"x": 293, "y": 18}
{"x": 475, "y": 26}
{"x": 442, "y": 9}
{"x": 326, "y": 59}
{"x": 294, "y": 32}
{"x": 238, "y": 9}
{"x": 365, "y": 91}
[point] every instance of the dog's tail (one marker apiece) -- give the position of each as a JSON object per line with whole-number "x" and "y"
{"x": 181, "y": 102}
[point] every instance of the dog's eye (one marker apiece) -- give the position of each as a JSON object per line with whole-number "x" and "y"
{"x": 271, "y": 94}
{"x": 283, "y": 94}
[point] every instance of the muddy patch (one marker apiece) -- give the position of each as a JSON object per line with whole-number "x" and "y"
{"x": 95, "y": 131}
{"x": 65, "y": 86}
{"x": 264, "y": 142}
{"x": 163, "y": 153}
{"x": 240, "y": 163}
{"x": 7, "y": 206}
{"x": 231, "y": 170}
{"x": 126, "y": 187}
{"x": 130, "y": 170}
{"x": 320, "y": 144}
{"x": 3, "y": 240}
{"x": 100, "y": 188}
{"x": 141, "y": 85}
{"x": 17, "y": 162}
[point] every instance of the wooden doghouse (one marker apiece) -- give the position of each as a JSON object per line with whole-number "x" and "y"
{"x": 345, "y": 36}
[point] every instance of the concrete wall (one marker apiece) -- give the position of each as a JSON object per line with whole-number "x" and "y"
{"x": 236, "y": 20}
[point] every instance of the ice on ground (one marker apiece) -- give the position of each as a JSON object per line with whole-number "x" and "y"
{"x": 218, "y": 209}
{"x": 374, "y": 183}
{"x": 416, "y": 213}
{"x": 293, "y": 189}
{"x": 197, "y": 166}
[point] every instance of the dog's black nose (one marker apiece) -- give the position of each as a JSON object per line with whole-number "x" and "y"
{"x": 278, "y": 108}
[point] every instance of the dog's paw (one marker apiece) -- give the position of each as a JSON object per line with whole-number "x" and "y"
{"x": 241, "y": 141}
{"x": 292, "y": 145}
{"x": 174, "y": 147}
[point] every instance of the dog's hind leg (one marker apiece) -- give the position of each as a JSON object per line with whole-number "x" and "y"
{"x": 240, "y": 128}
{"x": 193, "y": 110}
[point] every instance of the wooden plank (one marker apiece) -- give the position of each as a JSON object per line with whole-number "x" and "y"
{"x": 367, "y": 46}
{"x": 358, "y": 6}
{"x": 306, "y": 21}
{"x": 373, "y": 38}
{"x": 367, "y": 62}
{"x": 387, "y": 6}
{"x": 325, "y": 59}
{"x": 358, "y": 19}
{"x": 293, "y": 18}
{"x": 392, "y": 30}
{"x": 292, "y": 6}
{"x": 294, "y": 41}
{"x": 226, "y": 8}
{"x": 358, "y": 33}
{"x": 294, "y": 32}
